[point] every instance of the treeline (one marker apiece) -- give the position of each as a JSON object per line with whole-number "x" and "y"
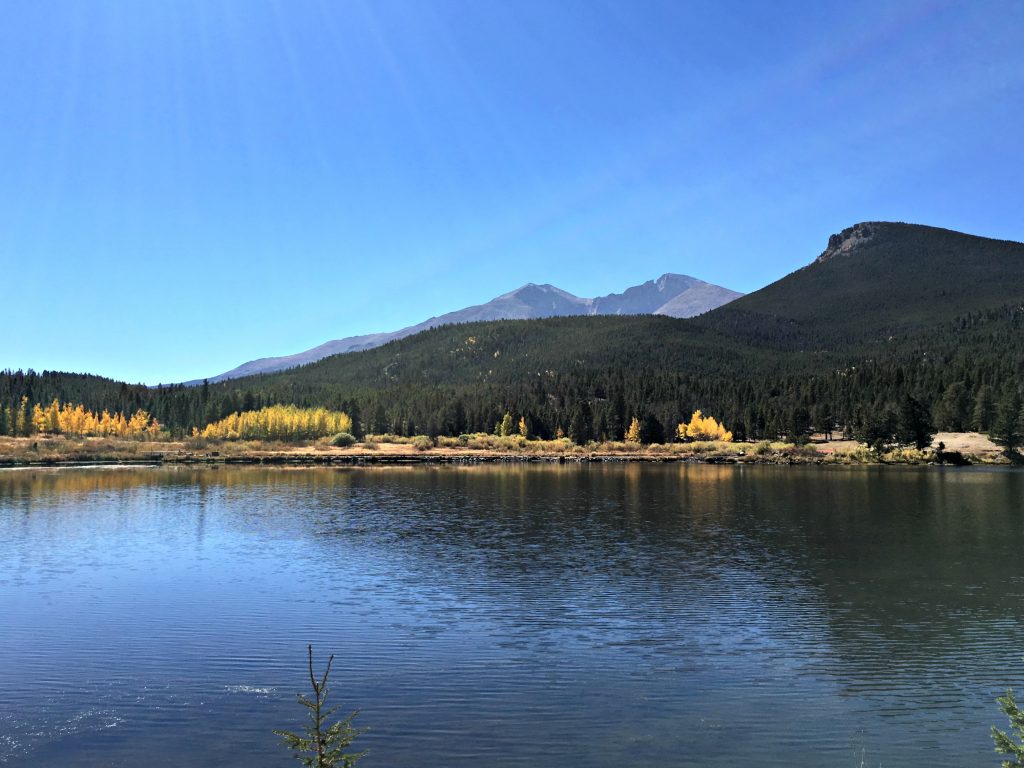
{"x": 25, "y": 419}
{"x": 589, "y": 378}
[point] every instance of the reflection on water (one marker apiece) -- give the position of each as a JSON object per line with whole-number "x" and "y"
{"x": 599, "y": 615}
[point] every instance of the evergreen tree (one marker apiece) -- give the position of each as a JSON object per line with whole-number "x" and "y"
{"x": 357, "y": 421}
{"x": 322, "y": 745}
{"x": 651, "y": 430}
{"x": 952, "y": 413}
{"x": 581, "y": 426}
{"x": 1012, "y": 743}
{"x": 798, "y": 424}
{"x": 1007, "y": 426}
{"x": 877, "y": 428}
{"x": 379, "y": 424}
{"x": 984, "y": 409}
{"x": 914, "y": 425}
{"x": 617, "y": 422}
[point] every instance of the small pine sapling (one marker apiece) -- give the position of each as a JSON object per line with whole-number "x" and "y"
{"x": 322, "y": 745}
{"x": 1005, "y": 744}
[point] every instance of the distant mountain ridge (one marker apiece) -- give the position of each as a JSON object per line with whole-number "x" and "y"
{"x": 888, "y": 311}
{"x": 672, "y": 295}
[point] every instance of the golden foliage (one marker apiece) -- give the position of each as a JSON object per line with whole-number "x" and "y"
{"x": 71, "y": 419}
{"x": 278, "y": 422}
{"x": 633, "y": 433}
{"x": 703, "y": 427}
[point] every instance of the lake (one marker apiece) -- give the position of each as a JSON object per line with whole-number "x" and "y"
{"x": 513, "y": 615}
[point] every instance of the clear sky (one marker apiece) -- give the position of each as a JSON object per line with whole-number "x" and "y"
{"x": 188, "y": 185}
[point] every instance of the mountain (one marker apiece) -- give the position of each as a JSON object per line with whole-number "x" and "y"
{"x": 877, "y": 283}
{"x": 673, "y": 295}
{"x": 887, "y": 311}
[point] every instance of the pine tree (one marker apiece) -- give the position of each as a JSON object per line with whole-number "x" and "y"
{"x": 322, "y": 745}
{"x": 984, "y": 408}
{"x": 617, "y": 425}
{"x": 913, "y": 425}
{"x": 357, "y": 424}
{"x": 952, "y": 412}
{"x": 878, "y": 428}
{"x": 1005, "y": 744}
{"x": 1007, "y": 426}
{"x": 651, "y": 430}
{"x": 581, "y": 427}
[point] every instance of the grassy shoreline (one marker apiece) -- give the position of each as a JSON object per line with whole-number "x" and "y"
{"x": 58, "y": 451}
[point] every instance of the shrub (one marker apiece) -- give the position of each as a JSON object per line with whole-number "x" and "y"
{"x": 343, "y": 440}
{"x": 422, "y": 443}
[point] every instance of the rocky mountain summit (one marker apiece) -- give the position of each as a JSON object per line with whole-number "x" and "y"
{"x": 850, "y": 239}
{"x": 672, "y": 295}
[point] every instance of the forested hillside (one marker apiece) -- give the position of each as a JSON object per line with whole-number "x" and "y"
{"x": 878, "y": 284}
{"x": 887, "y": 312}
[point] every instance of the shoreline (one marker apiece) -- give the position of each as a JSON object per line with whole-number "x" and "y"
{"x": 81, "y": 453}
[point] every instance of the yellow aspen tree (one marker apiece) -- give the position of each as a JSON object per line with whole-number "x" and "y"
{"x": 524, "y": 429}
{"x": 694, "y": 428}
{"x": 25, "y": 418}
{"x": 633, "y": 433}
{"x": 702, "y": 427}
{"x": 279, "y": 422}
{"x": 38, "y": 418}
{"x": 138, "y": 423}
{"x": 53, "y": 417}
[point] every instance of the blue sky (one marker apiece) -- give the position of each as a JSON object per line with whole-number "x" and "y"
{"x": 188, "y": 185}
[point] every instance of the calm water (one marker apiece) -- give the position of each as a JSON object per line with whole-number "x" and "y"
{"x": 512, "y": 616}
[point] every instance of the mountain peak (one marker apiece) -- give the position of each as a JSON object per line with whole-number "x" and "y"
{"x": 671, "y": 294}
{"x": 850, "y": 239}
{"x": 894, "y": 234}
{"x": 671, "y": 280}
